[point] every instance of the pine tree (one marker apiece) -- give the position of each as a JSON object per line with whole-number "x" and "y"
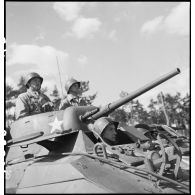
{"x": 21, "y": 86}
{"x": 9, "y": 105}
{"x": 55, "y": 98}
{"x": 86, "y": 100}
{"x": 55, "y": 92}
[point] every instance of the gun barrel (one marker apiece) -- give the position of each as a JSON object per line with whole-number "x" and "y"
{"x": 112, "y": 106}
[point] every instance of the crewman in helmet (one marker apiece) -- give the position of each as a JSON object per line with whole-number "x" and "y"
{"x": 107, "y": 129}
{"x": 33, "y": 101}
{"x": 74, "y": 93}
{"x": 109, "y": 132}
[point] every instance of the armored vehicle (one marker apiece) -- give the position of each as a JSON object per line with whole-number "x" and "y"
{"x": 58, "y": 152}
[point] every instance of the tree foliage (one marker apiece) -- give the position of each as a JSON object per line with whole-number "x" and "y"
{"x": 119, "y": 115}
{"x": 55, "y": 92}
{"x": 174, "y": 107}
{"x": 55, "y": 98}
{"x": 135, "y": 112}
{"x": 87, "y": 99}
{"x": 21, "y": 86}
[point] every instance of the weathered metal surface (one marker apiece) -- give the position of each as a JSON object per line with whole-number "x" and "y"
{"x": 14, "y": 175}
{"x": 71, "y": 117}
{"x": 74, "y": 187}
{"x": 113, "y": 178}
{"x": 42, "y": 174}
{"x": 69, "y": 172}
{"x": 47, "y": 122}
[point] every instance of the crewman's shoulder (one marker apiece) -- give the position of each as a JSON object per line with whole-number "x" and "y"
{"x": 71, "y": 97}
{"x": 23, "y": 95}
{"x": 65, "y": 100}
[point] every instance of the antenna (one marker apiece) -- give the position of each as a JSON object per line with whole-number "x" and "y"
{"x": 164, "y": 108}
{"x": 60, "y": 76}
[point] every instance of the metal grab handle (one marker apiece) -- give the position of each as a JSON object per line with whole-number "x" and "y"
{"x": 102, "y": 146}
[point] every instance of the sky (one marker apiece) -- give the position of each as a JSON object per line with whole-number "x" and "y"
{"x": 116, "y": 46}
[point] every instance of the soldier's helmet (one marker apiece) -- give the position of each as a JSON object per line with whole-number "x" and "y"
{"x": 101, "y": 123}
{"x": 69, "y": 83}
{"x": 30, "y": 76}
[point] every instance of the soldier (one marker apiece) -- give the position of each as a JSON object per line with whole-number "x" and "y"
{"x": 109, "y": 132}
{"x": 74, "y": 92}
{"x": 33, "y": 101}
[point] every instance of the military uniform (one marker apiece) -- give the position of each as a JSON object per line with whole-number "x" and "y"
{"x": 71, "y": 100}
{"x": 29, "y": 103}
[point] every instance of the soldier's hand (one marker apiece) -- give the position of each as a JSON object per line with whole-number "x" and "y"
{"x": 48, "y": 107}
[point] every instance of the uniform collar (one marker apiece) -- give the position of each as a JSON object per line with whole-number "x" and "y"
{"x": 71, "y": 97}
{"x": 33, "y": 93}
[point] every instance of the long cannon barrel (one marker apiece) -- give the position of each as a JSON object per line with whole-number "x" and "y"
{"x": 112, "y": 106}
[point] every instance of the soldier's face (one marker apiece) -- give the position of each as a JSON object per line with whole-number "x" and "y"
{"x": 110, "y": 133}
{"x": 35, "y": 84}
{"x": 75, "y": 88}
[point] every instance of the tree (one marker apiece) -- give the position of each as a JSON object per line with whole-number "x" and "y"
{"x": 9, "y": 92}
{"x": 21, "y": 86}
{"x": 55, "y": 92}
{"x": 56, "y": 98}
{"x": 86, "y": 99}
{"x": 186, "y": 110}
{"x": 119, "y": 115}
{"x": 11, "y": 95}
{"x": 139, "y": 113}
{"x": 186, "y": 113}
{"x": 155, "y": 115}
{"x": 128, "y": 109}
{"x": 135, "y": 111}
{"x": 172, "y": 106}
{"x": 9, "y": 104}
